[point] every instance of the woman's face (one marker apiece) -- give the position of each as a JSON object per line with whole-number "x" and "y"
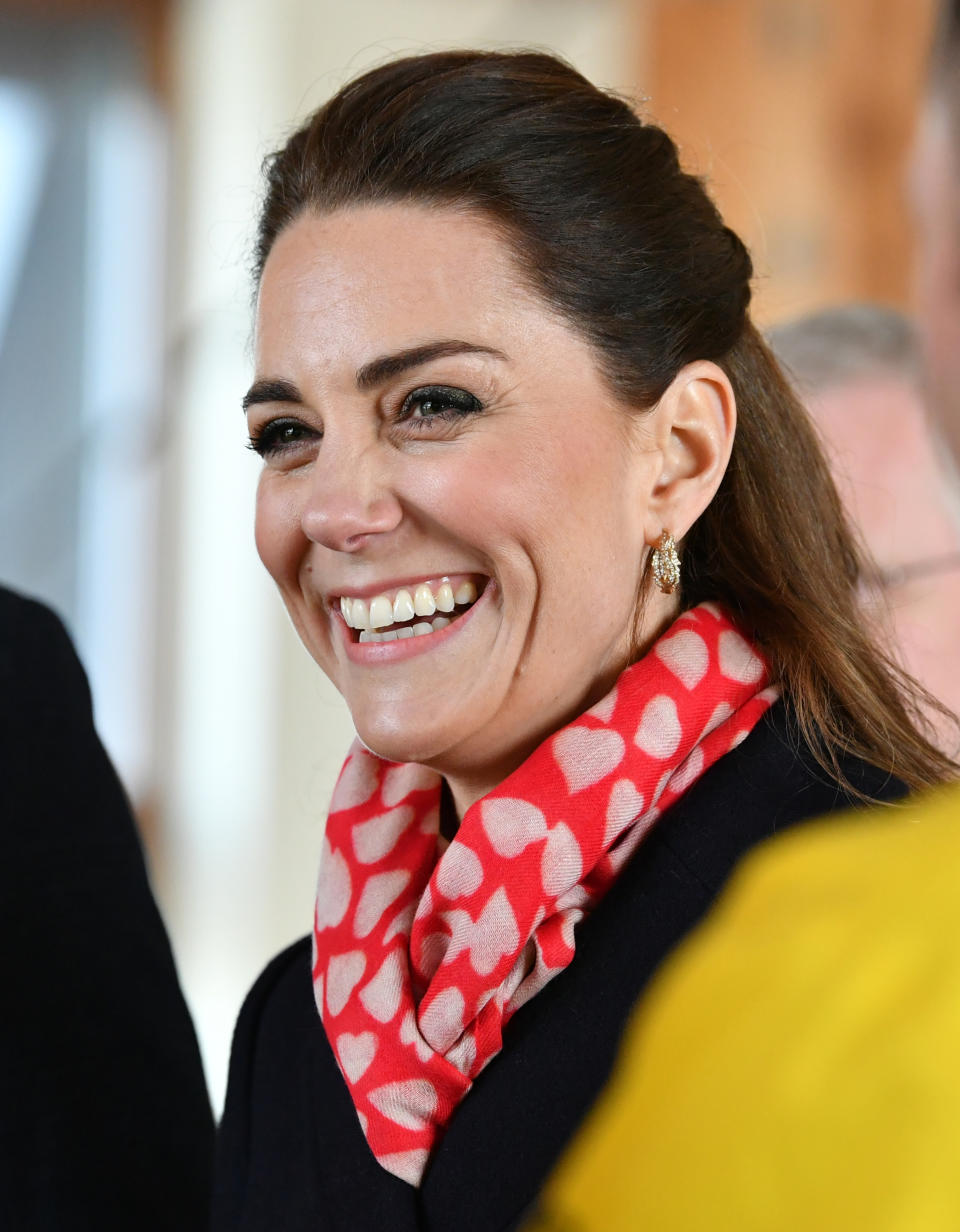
{"x": 424, "y": 417}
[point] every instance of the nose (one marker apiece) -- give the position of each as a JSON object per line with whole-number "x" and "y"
{"x": 349, "y": 499}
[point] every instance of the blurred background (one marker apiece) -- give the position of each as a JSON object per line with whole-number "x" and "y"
{"x": 131, "y": 137}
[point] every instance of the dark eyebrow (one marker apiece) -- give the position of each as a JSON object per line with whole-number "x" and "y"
{"x": 374, "y": 373}
{"x": 387, "y": 366}
{"x": 270, "y": 391}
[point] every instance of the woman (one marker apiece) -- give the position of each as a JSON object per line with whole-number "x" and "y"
{"x": 504, "y": 367}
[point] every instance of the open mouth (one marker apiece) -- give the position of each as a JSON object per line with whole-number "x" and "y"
{"x": 415, "y": 611}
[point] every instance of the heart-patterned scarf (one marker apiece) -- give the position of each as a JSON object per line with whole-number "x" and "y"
{"x": 423, "y": 951}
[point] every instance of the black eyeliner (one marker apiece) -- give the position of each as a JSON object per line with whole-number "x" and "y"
{"x": 454, "y": 403}
{"x": 265, "y": 441}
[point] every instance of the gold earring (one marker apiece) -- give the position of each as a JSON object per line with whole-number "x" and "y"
{"x": 666, "y": 564}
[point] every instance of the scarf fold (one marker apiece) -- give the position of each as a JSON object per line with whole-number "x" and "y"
{"x": 423, "y": 951}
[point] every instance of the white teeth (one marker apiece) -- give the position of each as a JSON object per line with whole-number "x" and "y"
{"x": 358, "y": 614}
{"x": 423, "y": 601}
{"x": 381, "y": 612}
{"x": 421, "y": 629}
{"x": 403, "y": 607}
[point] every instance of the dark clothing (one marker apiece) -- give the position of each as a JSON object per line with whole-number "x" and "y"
{"x": 104, "y": 1116}
{"x": 291, "y": 1153}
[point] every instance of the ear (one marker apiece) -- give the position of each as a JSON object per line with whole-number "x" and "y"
{"x": 694, "y": 425}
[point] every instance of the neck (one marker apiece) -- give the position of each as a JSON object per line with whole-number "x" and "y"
{"x": 464, "y": 787}
{"x": 469, "y": 780}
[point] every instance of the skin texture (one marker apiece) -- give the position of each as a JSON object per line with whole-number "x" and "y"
{"x": 886, "y": 464}
{"x": 935, "y": 192}
{"x": 554, "y": 491}
{"x": 899, "y": 496}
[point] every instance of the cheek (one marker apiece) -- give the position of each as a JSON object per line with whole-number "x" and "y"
{"x": 483, "y": 497}
{"x": 277, "y": 532}
{"x": 570, "y": 508}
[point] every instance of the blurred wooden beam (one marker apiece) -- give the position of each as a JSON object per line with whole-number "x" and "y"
{"x": 799, "y": 113}
{"x": 149, "y": 21}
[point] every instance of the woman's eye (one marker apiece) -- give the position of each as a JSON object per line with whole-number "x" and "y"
{"x": 280, "y": 435}
{"x": 437, "y": 402}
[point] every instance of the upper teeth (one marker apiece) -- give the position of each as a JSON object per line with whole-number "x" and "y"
{"x": 382, "y": 611}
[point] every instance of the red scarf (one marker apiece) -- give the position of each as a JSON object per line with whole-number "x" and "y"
{"x": 423, "y": 952}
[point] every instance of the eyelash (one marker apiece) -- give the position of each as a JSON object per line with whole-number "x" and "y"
{"x": 266, "y": 441}
{"x": 454, "y": 404}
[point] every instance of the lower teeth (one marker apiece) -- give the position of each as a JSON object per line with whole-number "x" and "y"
{"x": 417, "y": 630}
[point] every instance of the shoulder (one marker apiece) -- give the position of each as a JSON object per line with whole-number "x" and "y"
{"x": 279, "y": 1003}
{"x": 17, "y": 609}
{"x": 833, "y": 943}
{"x": 287, "y": 1119}
{"x": 278, "y": 1007}
{"x": 58, "y": 791}
{"x": 776, "y": 765}
{"x": 27, "y": 622}
{"x": 768, "y": 784}
{"x": 38, "y": 664}
{"x": 278, "y": 989}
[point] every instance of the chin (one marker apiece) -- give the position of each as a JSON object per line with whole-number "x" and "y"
{"x": 401, "y": 745}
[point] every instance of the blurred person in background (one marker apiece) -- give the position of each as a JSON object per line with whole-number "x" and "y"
{"x": 104, "y": 1116}
{"x": 541, "y": 504}
{"x": 935, "y": 190}
{"x": 796, "y": 1066}
{"x": 857, "y": 369}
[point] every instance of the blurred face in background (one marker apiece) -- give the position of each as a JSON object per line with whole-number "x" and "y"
{"x": 935, "y": 189}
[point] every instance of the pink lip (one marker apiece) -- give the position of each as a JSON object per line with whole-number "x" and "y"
{"x": 379, "y": 654}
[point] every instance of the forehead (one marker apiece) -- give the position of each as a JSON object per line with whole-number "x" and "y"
{"x": 342, "y": 280}
{"x": 861, "y": 416}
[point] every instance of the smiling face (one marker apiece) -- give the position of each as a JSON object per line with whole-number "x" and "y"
{"x": 431, "y": 431}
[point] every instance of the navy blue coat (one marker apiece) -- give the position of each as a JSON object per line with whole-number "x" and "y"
{"x": 291, "y": 1154}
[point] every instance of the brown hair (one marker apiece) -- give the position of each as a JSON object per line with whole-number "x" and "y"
{"x": 945, "y": 66}
{"x": 609, "y": 230}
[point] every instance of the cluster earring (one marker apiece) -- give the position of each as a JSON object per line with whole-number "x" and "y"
{"x": 666, "y": 564}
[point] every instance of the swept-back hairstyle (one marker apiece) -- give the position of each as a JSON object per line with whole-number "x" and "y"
{"x": 629, "y": 249}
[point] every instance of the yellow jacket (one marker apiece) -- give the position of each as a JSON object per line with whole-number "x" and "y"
{"x": 797, "y": 1065}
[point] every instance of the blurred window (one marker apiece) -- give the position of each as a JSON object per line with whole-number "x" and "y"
{"x": 82, "y": 165}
